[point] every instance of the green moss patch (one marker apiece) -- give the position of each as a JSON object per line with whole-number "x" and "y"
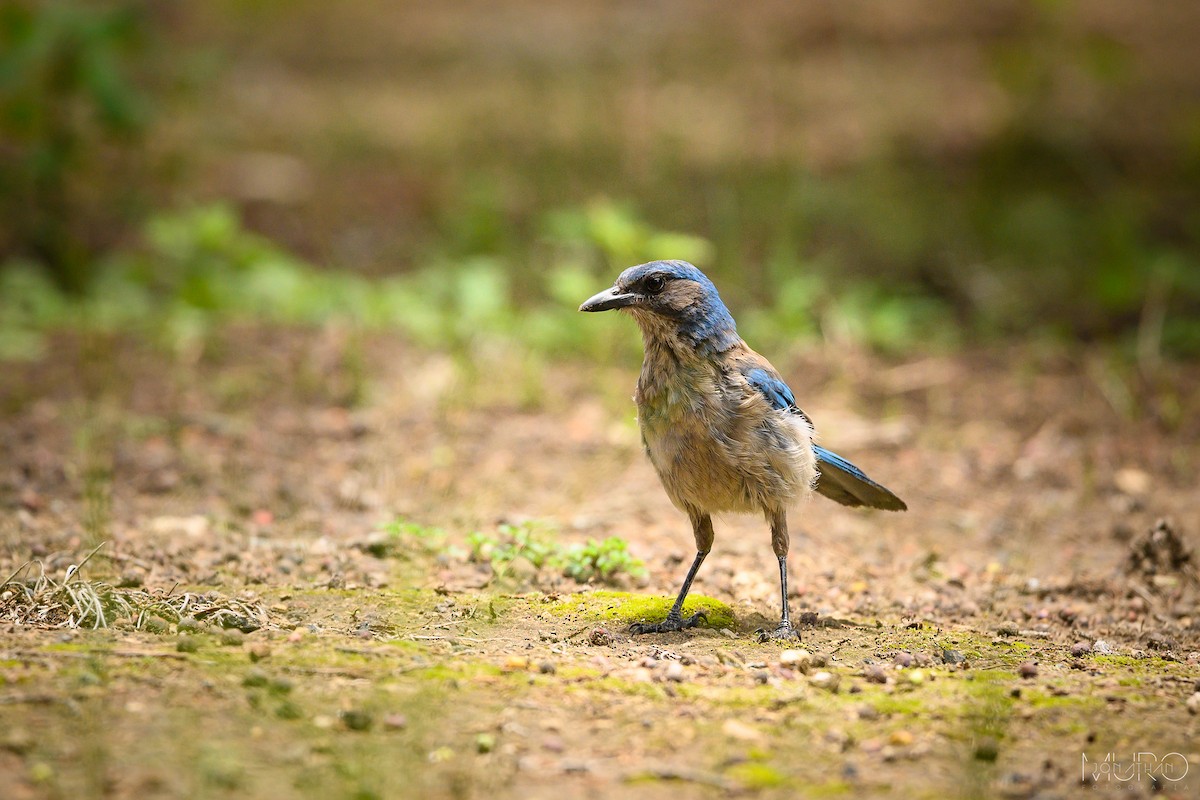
{"x": 628, "y": 608}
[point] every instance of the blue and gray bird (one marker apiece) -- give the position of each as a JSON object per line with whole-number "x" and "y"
{"x": 720, "y": 425}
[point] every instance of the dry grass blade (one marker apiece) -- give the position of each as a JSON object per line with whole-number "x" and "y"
{"x": 41, "y": 601}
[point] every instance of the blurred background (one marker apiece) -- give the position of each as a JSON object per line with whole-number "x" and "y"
{"x": 905, "y": 175}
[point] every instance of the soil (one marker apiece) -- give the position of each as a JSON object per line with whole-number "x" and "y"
{"x": 1032, "y": 614}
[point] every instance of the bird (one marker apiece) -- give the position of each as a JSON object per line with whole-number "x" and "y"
{"x": 719, "y": 424}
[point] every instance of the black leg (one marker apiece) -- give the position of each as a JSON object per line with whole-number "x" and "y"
{"x": 780, "y": 542}
{"x": 675, "y": 620}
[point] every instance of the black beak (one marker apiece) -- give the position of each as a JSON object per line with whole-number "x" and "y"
{"x": 608, "y": 300}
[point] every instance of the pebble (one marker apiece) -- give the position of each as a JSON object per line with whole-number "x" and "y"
{"x": 18, "y": 740}
{"x": 485, "y": 742}
{"x": 547, "y": 668}
{"x": 800, "y": 660}
{"x": 867, "y": 711}
{"x": 357, "y": 719}
{"x": 1028, "y": 669}
{"x": 259, "y": 651}
{"x": 987, "y": 749}
{"x": 953, "y": 657}
{"x": 875, "y": 674}
{"x": 916, "y": 677}
{"x": 674, "y": 672}
{"x": 903, "y": 659}
{"x": 1193, "y": 703}
{"x": 232, "y": 637}
{"x": 395, "y": 722}
{"x": 188, "y": 644}
{"x": 1102, "y": 647}
{"x": 1081, "y": 649}
{"x": 901, "y": 737}
{"x": 600, "y": 637}
{"x": 825, "y": 680}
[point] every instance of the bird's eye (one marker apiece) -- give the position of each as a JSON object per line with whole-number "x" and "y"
{"x": 655, "y": 284}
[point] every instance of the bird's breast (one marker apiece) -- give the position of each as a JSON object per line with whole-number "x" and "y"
{"x": 713, "y": 450}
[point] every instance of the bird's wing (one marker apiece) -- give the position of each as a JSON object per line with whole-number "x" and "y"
{"x": 839, "y": 480}
{"x": 771, "y": 386}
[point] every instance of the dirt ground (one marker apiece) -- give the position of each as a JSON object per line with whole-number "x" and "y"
{"x": 1027, "y": 618}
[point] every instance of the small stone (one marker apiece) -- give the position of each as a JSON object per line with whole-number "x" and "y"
{"x": 1028, "y": 669}
{"x": 1193, "y": 704}
{"x": 189, "y": 624}
{"x": 600, "y": 637}
{"x": 1133, "y": 481}
{"x": 187, "y": 644}
{"x": 916, "y": 677}
{"x": 903, "y": 659}
{"x": 761, "y": 676}
{"x": 827, "y": 681}
{"x": 395, "y": 722}
{"x": 485, "y": 742}
{"x": 357, "y": 720}
{"x": 18, "y": 740}
{"x": 987, "y": 749}
{"x": 741, "y": 731}
{"x": 868, "y": 711}
{"x": 1102, "y": 647}
{"x": 1007, "y": 629}
{"x": 258, "y": 651}
{"x": 130, "y": 579}
{"x": 674, "y": 672}
{"x": 155, "y": 625}
{"x": 554, "y": 744}
{"x": 515, "y": 664}
{"x": 952, "y": 657}
{"x": 232, "y": 637}
{"x": 547, "y": 668}
{"x": 1081, "y": 649}
{"x": 800, "y": 660}
{"x": 875, "y": 674}
{"x": 901, "y": 738}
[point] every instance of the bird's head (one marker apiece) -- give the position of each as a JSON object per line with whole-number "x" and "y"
{"x": 672, "y": 301}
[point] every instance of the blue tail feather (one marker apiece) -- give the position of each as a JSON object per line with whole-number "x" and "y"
{"x": 845, "y": 483}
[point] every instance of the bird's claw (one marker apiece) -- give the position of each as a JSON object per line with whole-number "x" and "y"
{"x": 671, "y": 623}
{"x": 783, "y": 632}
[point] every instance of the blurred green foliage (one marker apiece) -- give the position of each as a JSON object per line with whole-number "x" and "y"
{"x": 201, "y": 268}
{"x": 483, "y": 175}
{"x": 70, "y": 120}
{"x": 607, "y": 561}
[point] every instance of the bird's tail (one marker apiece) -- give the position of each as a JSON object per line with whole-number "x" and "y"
{"x": 842, "y": 481}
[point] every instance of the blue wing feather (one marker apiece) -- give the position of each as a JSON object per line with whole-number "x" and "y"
{"x": 838, "y": 480}
{"x": 778, "y": 393}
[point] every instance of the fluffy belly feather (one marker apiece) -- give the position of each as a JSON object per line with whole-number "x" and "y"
{"x": 730, "y": 462}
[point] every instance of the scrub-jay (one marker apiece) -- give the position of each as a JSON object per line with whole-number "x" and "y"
{"x": 720, "y": 426}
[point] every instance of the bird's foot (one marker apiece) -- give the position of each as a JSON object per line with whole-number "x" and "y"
{"x": 673, "y": 622}
{"x": 783, "y": 632}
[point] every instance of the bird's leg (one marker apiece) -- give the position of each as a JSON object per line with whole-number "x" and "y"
{"x": 780, "y": 543}
{"x": 675, "y": 621}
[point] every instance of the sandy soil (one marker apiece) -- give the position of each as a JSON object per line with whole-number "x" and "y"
{"x": 1022, "y": 617}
